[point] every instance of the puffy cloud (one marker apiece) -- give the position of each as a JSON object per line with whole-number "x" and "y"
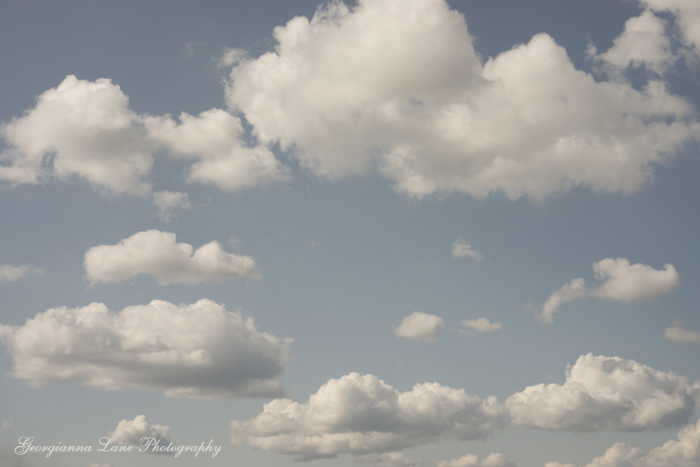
{"x": 419, "y": 326}
{"x": 678, "y": 334}
{"x": 624, "y": 282}
{"x": 479, "y": 325}
{"x": 471, "y": 460}
{"x": 400, "y": 86}
{"x": 642, "y": 43}
{"x": 88, "y": 129}
{"x": 682, "y": 453}
{"x": 607, "y": 392}
{"x": 157, "y": 253}
{"x": 462, "y": 250}
{"x": 130, "y": 432}
{"x": 214, "y": 140}
{"x": 167, "y": 201}
{"x": 361, "y": 415}
{"x": 687, "y": 15}
{"x": 199, "y": 350}
{"x": 10, "y": 273}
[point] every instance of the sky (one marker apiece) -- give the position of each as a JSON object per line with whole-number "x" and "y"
{"x": 398, "y": 233}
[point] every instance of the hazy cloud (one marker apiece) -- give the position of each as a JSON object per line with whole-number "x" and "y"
{"x": 157, "y": 253}
{"x": 167, "y": 202}
{"x": 10, "y": 273}
{"x": 607, "y": 392}
{"x": 462, "y": 250}
{"x": 479, "y": 325}
{"x": 362, "y": 415}
{"x": 678, "y": 334}
{"x": 199, "y": 350}
{"x": 419, "y": 326}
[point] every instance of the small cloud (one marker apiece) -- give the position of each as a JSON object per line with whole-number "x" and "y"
{"x": 419, "y": 326}
{"x": 10, "y": 273}
{"x": 470, "y": 460}
{"x": 130, "y": 432}
{"x": 390, "y": 459}
{"x": 6, "y": 424}
{"x": 479, "y": 325}
{"x": 462, "y": 250}
{"x": 167, "y": 201}
{"x": 678, "y": 334}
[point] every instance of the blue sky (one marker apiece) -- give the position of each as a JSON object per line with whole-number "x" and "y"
{"x": 451, "y": 234}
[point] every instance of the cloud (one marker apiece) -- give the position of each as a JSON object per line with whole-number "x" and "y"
{"x": 607, "y": 392}
{"x": 642, "y": 43}
{"x": 390, "y": 459}
{"x": 682, "y": 453}
{"x": 470, "y": 460}
{"x": 362, "y": 415}
{"x": 419, "y": 326}
{"x": 199, "y": 350}
{"x": 130, "y": 432}
{"x": 167, "y": 201}
{"x": 80, "y": 128}
{"x": 678, "y": 334}
{"x": 624, "y": 282}
{"x": 479, "y": 325}
{"x": 462, "y": 250}
{"x": 214, "y": 141}
{"x": 687, "y": 16}
{"x": 157, "y": 253}
{"x": 10, "y": 273}
{"x": 399, "y": 86}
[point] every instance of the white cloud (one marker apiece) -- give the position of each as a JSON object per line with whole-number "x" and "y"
{"x": 399, "y": 86}
{"x": 479, "y": 325}
{"x": 643, "y": 42}
{"x": 471, "y": 460}
{"x": 213, "y": 139}
{"x": 167, "y": 202}
{"x": 157, "y": 253}
{"x": 199, "y": 350}
{"x": 624, "y": 282}
{"x": 419, "y": 326}
{"x": 682, "y": 453}
{"x": 10, "y": 273}
{"x": 130, "y": 432}
{"x": 678, "y": 334}
{"x": 390, "y": 459}
{"x": 462, "y": 250}
{"x": 361, "y": 415}
{"x": 687, "y": 15}
{"x": 88, "y": 129}
{"x": 607, "y": 392}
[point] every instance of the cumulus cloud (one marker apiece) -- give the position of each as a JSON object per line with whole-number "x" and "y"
{"x": 419, "y": 326}
{"x": 682, "y": 453}
{"x": 479, "y": 325}
{"x": 167, "y": 202}
{"x": 199, "y": 350}
{"x": 130, "y": 432}
{"x": 214, "y": 140}
{"x": 624, "y": 282}
{"x": 400, "y": 87}
{"x": 687, "y": 16}
{"x": 678, "y": 334}
{"x": 471, "y": 460}
{"x": 80, "y": 128}
{"x": 10, "y": 273}
{"x": 362, "y": 415}
{"x": 463, "y": 250}
{"x": 607, "y": 392}
{"x": 157, "y": 253}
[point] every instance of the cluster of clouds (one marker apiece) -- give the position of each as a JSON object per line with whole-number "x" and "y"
{"x": 198, "y": 351}
{"x": 393, "y": 87}
{"x": 424, "y": 327}
{"x": 624, "y": 282}
{"x": 157, "y": 253}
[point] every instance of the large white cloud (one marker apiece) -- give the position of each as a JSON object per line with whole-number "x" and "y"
{"x": 399, "y": 85}
{"x": 199, "y": 350}
{"x": 214, "y": 140}
{"x": 419, "y": 326}
{"x": 682, "y": 453}
{"x": 607, "y": 392}
{"x": 9, "y": 273}
{"x": 88, "y": 129}
{"x": 130, "y": 432}
{"x": 624, "y": 282}
{"x": 361, "y": 415}
{"x": 157, "y": 253}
